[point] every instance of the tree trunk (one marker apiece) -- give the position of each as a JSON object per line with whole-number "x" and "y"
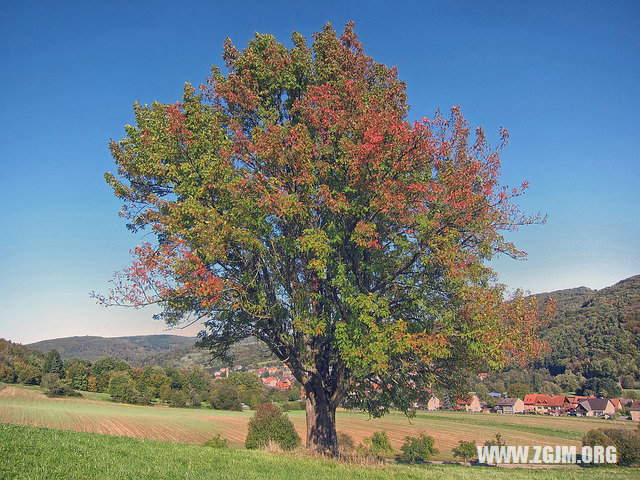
{"x": 321, "y": 423}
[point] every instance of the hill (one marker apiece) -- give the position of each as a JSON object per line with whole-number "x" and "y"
{"x": 164, "y": 350}
{"x": 596, "y": 333}
{"x": 131, "y": 349}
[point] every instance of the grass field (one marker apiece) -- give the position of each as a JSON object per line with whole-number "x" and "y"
{"x": 93, "y": 413}
{"x": 41, "y": 453}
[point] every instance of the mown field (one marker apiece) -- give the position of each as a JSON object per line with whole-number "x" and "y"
{"x": 41, "y": 453}
{"x": 94, "y": 413}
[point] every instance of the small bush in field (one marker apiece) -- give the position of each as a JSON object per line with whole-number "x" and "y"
{"x": 465, "y": 450}
{"x": 217, "y": 442}
{"x": 270, "y": 425}
{"x": 345, "y": 443}
{"x": 497, "y": 441}
{"x": 379, "y": 444}
{"x": 418, "y": 449}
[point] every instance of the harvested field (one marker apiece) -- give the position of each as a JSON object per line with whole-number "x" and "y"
{"x": 29, "y": 406}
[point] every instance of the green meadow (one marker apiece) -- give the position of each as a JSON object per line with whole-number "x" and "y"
{"x": 43, "y": 453}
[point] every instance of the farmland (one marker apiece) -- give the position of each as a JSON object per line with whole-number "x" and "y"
{"x": 39, "y": 453}
{"x": 94, "y": 413}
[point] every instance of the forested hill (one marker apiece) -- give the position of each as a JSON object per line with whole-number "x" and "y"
{"x": 596, "y": 333}
{"x": 164, "y": 350}
{"x": 134, "y": 350}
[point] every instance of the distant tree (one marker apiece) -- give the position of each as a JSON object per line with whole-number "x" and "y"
{"x": 92, "y": 383}
{"x": 295, "y": 202}
{"x": 224, "y": 395}
{"x": 77, "y": 373}
{"x": 178, "y": 398}
{"x": 601, "y": 387}
{"x": 27, "y": 373}
{"x": 250, "y": 388}
{"x": 550, "y": 388}
{"x": 49, "y": 380}
{"x": 199, "y": 381}
{"x": 465, "y": 450}
{"x": 195, "y": 400}
{"x": 481, "y": 391}
{"x": 7, "y": 373}
{"x": 53, "y": 363}
{"x": 122, "y": 388}
{"x": 102, "y": 369}
{"x": 518, "y": 390}
{"x": 569, "y": 382}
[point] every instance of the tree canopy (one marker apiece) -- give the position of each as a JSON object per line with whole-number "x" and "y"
{"x": 293, "y": 200}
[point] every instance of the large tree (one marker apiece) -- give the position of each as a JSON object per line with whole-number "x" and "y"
{"x": 292, "y": 200}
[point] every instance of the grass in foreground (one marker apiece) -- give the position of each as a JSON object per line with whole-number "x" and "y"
{"x": 42, "y": 453}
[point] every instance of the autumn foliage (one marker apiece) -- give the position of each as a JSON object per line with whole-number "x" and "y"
{"x": 293, "y": 200}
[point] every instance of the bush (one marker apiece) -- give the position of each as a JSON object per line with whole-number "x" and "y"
{"x": 270, "y": 425}
{"x": 465, "y": 450}
{"x": 498, "y": 442}
{"x": 627, "y": 443}
{"x": 56, "y": 387}
{"x": 217, "y": 442}
{"x": 287, "y": 406}
{"x": 345, "y": 443}
{"x": 418, "y": 449}
{"x": 379, "y": 444}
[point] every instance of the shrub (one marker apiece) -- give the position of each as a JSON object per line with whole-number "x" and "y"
{"x": 345, "y": 443}
{"x": 465, "y": 450}
{"x": 498, "y": 442}
{"x": 627, "y": 443}
{"x": 56, "y": 387}
{"x": 270, "y": 425}
{"x": 379, "y": 444}
{"x": 418, "y": 449}
{"x": 217, "y": 442}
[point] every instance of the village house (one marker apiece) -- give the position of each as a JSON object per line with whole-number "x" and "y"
{"x": 541, "y": 403}
{"x": 595, "y": 407}
{"x": 510, "y": 405}
{"x": 468, "y": 404}
{"x": 634, "y": 410}
{"x": 284, "y": 384}
{"x": 433, "y": 403}
{"x": 270, "y": 381}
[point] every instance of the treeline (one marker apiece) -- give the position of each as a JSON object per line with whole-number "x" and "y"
{"x": 192, "y": 387}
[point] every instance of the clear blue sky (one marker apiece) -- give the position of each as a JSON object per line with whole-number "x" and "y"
{"x": 563, "y": 77}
